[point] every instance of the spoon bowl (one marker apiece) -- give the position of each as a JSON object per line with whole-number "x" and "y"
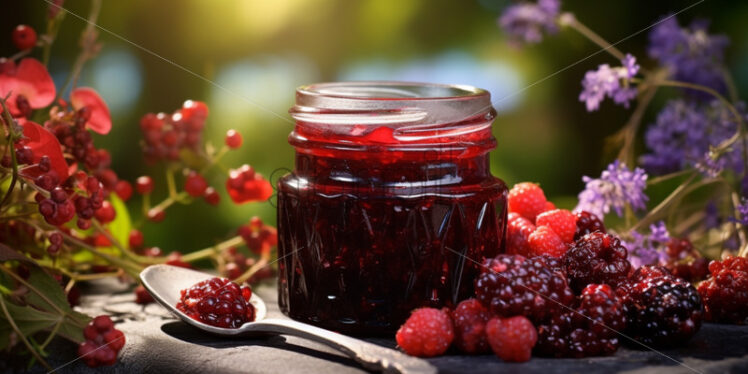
{"x": 164, "y": 283}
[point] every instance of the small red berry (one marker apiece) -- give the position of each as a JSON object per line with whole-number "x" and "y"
{"x": 233, "y": 139}
{"x": 211, "y": 196}
{"x": 144, "y": 185}
{"x": 428, "y": 332}
{"x": 142, "y": 296}
{"x": 123, "y": 189}
{"x": 156, "y": 215}
{"x": 527, "y": 199}
{"x": 195, "y": 185}
{"x": 103, "y": 323}
{"x": 512, "y": 339}
{"x": 562, "y": 221}
{"x": 518, "y": 230}
{"x": 470, "y": 319}
{"x": 545, "y": 241}
{"x": 218, "y": 302}
{"x": 24, "y": 37}
{"x": 106, "y": 213}
{"x": 136, "y": 239}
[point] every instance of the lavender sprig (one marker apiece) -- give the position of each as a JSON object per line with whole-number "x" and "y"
{"x": 613, "y": 83}
{"x": 617, "y": 186}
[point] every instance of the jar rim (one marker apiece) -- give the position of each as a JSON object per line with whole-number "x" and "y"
{"x": 390, "y": 91}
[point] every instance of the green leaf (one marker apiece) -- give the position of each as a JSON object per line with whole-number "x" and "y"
{"x": 28, "y": 320}
{"x": 71, "y": 328}
{"x": 53, "y": 292}
{"x": 121, "y": 226}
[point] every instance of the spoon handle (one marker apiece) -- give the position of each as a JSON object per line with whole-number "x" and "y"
{"x": 370, "y": 356}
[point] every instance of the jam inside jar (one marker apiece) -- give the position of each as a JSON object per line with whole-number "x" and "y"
{"x": 391, "y": 206}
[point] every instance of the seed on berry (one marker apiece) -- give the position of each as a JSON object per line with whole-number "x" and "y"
{"x": 24, "y": 37}
{"x": 233, "y": 139}
{"x": 428, "y": 332}
{"x": 195, "y": 185}
{"x": 144, "y": 185}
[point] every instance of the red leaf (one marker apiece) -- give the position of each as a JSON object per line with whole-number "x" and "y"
{"x": 42, "y": 142}
{"x": 30, "y": 79}
{"x": 100, "y": 120}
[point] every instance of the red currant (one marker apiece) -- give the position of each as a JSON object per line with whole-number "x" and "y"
{"x": 195, "y": 185}
{"x": 136, "y": 239}
{"x": 233, "y": 139}
{"x": 156, "y": 215}
{"x": 24, "y": 37}
{"x": 211, "y": 196}
{"x": 123, "y": 190}
{"x": 106, "y": 213}
{"x": 144, "y": 185}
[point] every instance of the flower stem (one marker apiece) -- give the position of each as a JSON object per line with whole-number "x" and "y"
{"x": 630, "y": 129}
{"x": 654, "y": 213}
{"x": 209, "y": 251}
{"x": 14, "y": 161}
{"x": 264, "y": 260}
{"x": 568, "y": 19}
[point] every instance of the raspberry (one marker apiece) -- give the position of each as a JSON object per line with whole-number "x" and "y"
{"x": 428, "y": 332}
{"x": 596, "y": 258}
{"x": 545, "y": 241}
{"x": 102, "y": 343}
{"x": 591, "y": 330}
{"x": 562, "y": 221}
{"x": 662, "y": 310}
{"x": 195, "y": 185}
{"x": 518, "y": 230}
{"x": 24, "y": 37}
{"x": 587, "y": 223}
{"x": 512, "y": 285}
{"x": 144, "y": 185}
{"x": 527, "y": 199}
{"x": 549, "y": 206}
{"x": 218, "y": 302}
{"x": 470, "y": 319}
{"x": 512, "y": 338}
{"x": 725, "y": 293}
{"x": 233, "y": 139}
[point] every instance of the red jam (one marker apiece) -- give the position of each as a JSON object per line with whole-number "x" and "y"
{"x": 391, "y": 205}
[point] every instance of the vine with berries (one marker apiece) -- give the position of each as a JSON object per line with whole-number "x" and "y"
{"x": 64, "y": 215}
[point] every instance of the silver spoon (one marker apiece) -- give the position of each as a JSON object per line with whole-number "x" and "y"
{"x": 164, "y": 282}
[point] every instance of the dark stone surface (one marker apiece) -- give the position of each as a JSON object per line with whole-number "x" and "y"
{"x": 158, "y": 343}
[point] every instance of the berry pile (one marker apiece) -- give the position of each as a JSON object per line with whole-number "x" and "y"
{"x": 662, "y": 310}
{"x": 725, "y": 293}
{"x": 102, "y": 344}
{"x": 534, "y": 225}
{"x": 218, "y": 302}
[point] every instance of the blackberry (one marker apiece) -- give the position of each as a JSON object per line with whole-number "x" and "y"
{"x": 725, "y": 293}
{"x": 587, "y": 223}
{"x": 596, "y": 258}
{"x": 513, "y": 285}
{"x": 591, "y": 330}
{"x": 662, "y": 310}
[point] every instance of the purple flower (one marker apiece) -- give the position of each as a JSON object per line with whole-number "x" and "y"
{"x": 685, "y": 132}
{"x": 616, "y": 187}
{"x": 648, "y": 249}
{"x": 609, "y": 82}
{"x": 525, "y": 22}
{"x": 658, "y": 232}
{"x": 742, "y": 212}
{"x": 690, "y": 53}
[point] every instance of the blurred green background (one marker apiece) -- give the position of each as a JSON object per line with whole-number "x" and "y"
{"x": 260, "y": 50}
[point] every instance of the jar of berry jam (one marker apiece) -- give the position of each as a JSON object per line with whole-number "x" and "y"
{"x": 391, "y": 206}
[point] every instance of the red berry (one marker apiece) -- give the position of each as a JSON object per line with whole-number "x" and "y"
{"x": 527, "y": 199}
{"x": 562, "y": 221}
{"x": 518, "y": 230}
{"x": 144, "y": 185}
{"x": 587, "y": 223}
{"x": 596, "y": 258}
{"x": 142, "y": 296}
{"x": 103, "y": 323}
{"x": 724, "y": 293}
{"x": 114, "y": 339}
{"x": 549, "y": 206}
{"x": 545, "y": 241}
{"x": 123, "y": 189}
{"x": 211, "y": 196}
{"x": 470, "y": 319}
{"x": 106, "y": 213}
{"x": 233, "y": 139}
{"x": 195, "y": 185}
{"x": 194, "y": 114}
{"x": 24, "y": 37}
{"x": 512, "y": 339}
{"x": 218, "y": 302}
{"x": 136, "y": 239}
{"x": 244, "y": 185}
{"x": 156, "y": 215}
{"x": 428, "y": 332}
{"x": 102, "y": 343}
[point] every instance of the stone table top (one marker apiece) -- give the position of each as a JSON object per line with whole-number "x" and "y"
{"x": 159, "y": 343}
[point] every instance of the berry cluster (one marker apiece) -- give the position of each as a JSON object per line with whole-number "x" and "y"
{"x": 535, "y": 227}
{"x": 258, "y": 236}
{"x": 218, "y": 302}
{"x": 725, "y": 293}
{"x": 102, "y": 344}
{"x": 166, "y": 135}
{"x": 245, "y": 185}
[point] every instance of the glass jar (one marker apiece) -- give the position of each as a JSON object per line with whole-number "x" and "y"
{"x": 391, "y": 206}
